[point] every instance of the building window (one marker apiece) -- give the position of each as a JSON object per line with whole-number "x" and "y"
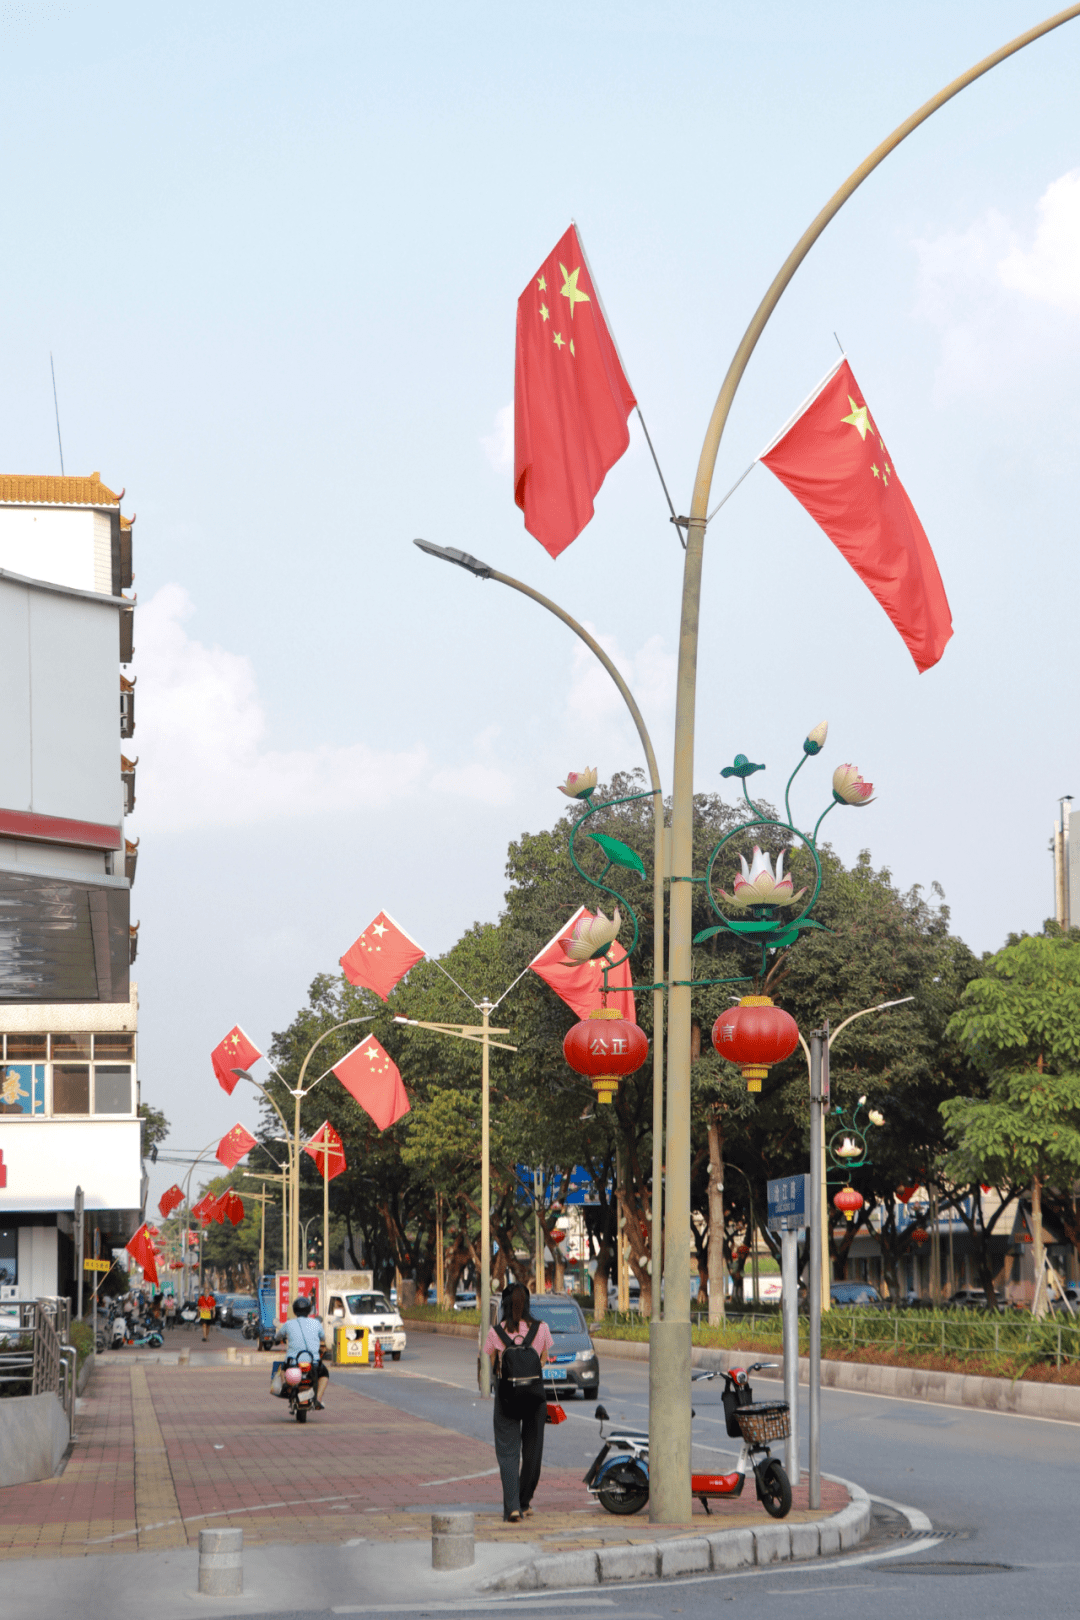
{"x": 65, "y": 1048}
{"x": 22, "y": 1088}
{"x": 71, "y": 1088}
{"x": 9, "y": 1257}
{"x": 112, "y": 1090}
{"x": 112, "y": 1048}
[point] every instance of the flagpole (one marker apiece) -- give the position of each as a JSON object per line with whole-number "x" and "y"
{"x": 670, "y": 1500}
{"x": 325, "y": 1218}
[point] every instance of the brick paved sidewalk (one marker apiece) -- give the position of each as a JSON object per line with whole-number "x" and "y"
{"x": 162, "y": 1451}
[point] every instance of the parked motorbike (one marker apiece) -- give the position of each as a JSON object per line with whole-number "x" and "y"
{"x": 189, "y": 1312}
{"x": 250, "y": 1329}
{"x": 619, "y": 1476}
{"x": 118, "y": 1331}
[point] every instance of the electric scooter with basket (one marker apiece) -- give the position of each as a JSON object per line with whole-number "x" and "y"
{"x": 619, "y": 1476}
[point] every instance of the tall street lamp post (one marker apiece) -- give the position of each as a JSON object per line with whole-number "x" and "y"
{"x": 298, "y": 1092}
{"x": 669, "y": 1485}
{"x": 480, "y": 1035}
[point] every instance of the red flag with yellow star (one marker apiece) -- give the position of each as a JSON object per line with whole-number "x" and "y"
{"x": 170, "y": 1198}
{"x": 236, "y": 1051}
{"x": 382, "y": 955}
{"x": 236, "y": 1145}
{"x": 834, "y": 461}
{"x": 141, "y": 1249}
{"x": 571, "y": 398}
{"x": 370, "y": 1075}
{"x": 326, "y": 1149}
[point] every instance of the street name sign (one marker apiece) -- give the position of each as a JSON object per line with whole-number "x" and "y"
{"x": 789, "y": 1203}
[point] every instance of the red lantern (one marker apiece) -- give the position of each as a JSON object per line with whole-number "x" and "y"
{"x": 755, "y": 1035}
{"x": 920, "y": 1236}
{"x": 605, "y": 1047}
{"x": 848, "y": 1201}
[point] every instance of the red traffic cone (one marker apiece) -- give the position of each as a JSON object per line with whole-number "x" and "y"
{"x": 378, "y": 1353}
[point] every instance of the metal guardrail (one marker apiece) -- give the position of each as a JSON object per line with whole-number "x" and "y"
{"x": 34, "y": 1350}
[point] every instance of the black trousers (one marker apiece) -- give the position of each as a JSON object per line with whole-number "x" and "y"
{"x": 519, "y": 1448}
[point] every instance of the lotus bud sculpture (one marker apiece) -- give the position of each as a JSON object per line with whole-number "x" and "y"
{"x": 758, "y": 885}
{"x": 876, "y": 1117}
{"x": 592, "y": 936}
{"x": 579, "y": 784}
{"x": 815, "y": 740}
{"x": 848, "y": 786}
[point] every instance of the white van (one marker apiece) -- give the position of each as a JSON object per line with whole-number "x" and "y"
{"x": 353, "y": 1311}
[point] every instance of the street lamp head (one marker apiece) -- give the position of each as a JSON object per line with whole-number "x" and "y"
{"x": 397, "y": 1019}
{"x": 241, "y": 1074}
{"x": 473, "y": 565}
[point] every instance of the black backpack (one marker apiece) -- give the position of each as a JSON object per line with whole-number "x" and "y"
{"x": 521, "y": 1375}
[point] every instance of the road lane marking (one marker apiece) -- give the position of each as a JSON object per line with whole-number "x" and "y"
{"x": 456, "y": 1479}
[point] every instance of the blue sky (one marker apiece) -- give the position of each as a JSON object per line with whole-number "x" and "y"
{"x": 276, "y": 254}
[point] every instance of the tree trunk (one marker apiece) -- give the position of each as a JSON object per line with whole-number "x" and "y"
{"x": 716, "y": 1220}
{"x": 1038, "y": 1251}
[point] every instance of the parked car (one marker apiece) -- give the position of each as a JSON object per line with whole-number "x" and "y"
{"x": 465, "y": 1301}
{"x": 572, "y": 1362}
{"x": 371, "y": 1311}
{"x": 856, "y": 1293}
{"x": 233, "y": 1309}
{"x": 968, "y": 1299}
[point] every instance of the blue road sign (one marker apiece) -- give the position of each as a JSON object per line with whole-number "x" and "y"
{"x": 789, "y": 1203}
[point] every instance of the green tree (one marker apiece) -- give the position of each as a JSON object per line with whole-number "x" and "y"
{"x": 155, "y": 1128}
{"x": 1020, "y": 1023}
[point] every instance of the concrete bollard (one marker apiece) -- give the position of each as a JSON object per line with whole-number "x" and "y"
{"x": 453, "y": 1540}
{"x": 221, "y": 1562}
{"x": 230, "y": 1352}
{"x": 183, "y": 1359}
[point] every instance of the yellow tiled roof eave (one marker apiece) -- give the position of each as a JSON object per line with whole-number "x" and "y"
{"x": 27, "y": 489}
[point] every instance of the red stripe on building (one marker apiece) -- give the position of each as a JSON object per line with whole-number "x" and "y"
{"x": 58, "y": 830}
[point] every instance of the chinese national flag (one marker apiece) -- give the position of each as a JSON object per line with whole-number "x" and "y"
{"x": 834, "y": 462}
{"x": 326, "y": 1146}
{"x": 581, "y": 984}
{"x": 141, "y": 1249}
{"x": 382, "y": 955}
{"x": 571, "y": 398}
{"x": 205, "y": 1209}
{"x": 235, "y": 1146}
{"x": 169, "y": 1199}
{"x": 236, "y": 1051}
{"x": 230, "y": 1207}
{"x": 370, "y": 1074}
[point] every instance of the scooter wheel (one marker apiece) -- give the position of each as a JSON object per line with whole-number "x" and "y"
{"x": 301, "y": 1414}
{"x": 625, "y": 1489}
{"x": 774, "y": 1489}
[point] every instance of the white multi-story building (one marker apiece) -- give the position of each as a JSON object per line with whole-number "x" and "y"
{"x": 68, "y": 1011}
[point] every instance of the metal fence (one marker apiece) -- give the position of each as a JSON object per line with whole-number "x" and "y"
{"x": 35, "y": 1356}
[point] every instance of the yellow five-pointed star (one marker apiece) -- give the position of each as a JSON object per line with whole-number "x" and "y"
{"x": 571, "y": 290}
{"x": 543, "y": 312}
{"x": 558, "y": 340}
{"x": 874, "y": 470}
{"x": 541, "y": 283}
{"x": 859, "y": 418}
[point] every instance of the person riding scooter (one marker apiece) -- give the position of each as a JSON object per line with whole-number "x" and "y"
{"x": 306, "y": 1333}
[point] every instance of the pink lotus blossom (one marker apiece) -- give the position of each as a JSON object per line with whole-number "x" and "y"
{"x": 579, "y": 784}
{"x": 759, "y": 887}
{"x": 849, "y": 787}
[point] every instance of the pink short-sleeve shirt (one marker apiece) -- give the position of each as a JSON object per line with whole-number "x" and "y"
{"x": 543, "y": 1340}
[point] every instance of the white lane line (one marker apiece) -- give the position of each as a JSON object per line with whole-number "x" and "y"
{"x": 850, "y": 1586}
{"x": 456, "y": 1479}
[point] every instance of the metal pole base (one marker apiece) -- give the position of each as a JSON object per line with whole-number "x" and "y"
{"x": 670, "y": 1501}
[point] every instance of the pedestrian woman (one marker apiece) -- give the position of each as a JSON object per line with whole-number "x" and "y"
{"x": 518, "y": 1347}
{"x": 207, "y": 1305}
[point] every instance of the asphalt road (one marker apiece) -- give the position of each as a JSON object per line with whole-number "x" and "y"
{"x": 1001, "y": 1494}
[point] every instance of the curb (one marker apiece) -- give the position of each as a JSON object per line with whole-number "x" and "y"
{"x": 715, "y": 1554}
{"x": 1018, "y": 1399}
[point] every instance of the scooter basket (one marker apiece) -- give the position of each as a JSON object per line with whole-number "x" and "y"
{"x": 764, "y": 1421}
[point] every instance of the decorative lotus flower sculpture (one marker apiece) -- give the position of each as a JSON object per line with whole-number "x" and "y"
{"x": 579, "y": 784}
{"x": 848, "y": 786}
{"x": 592, "y": 936}
{"x": 876, "y": 1117}
{"x": 759, "y": 886}
{"x": 815, "y": 740}
{"x": 848, "y": 1149}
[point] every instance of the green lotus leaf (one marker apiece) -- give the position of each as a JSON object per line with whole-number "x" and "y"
{"x": 618, "y": 853}
{"x": 742, "y": 768}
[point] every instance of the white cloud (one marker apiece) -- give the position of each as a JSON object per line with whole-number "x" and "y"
{"x": 205, "y": 761}
{"x": 1049, "y": 271}
{"x": 997, "y": 298}
{"x": 498, "y": 445}
{"x": 597, "y": 707}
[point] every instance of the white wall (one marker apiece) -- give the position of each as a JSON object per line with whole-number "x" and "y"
{"x": 53, "y": 543}
{"x": 59, "y": 705}
{"x": 38, "y": 1261}
{"x": 47, "y": 1159}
